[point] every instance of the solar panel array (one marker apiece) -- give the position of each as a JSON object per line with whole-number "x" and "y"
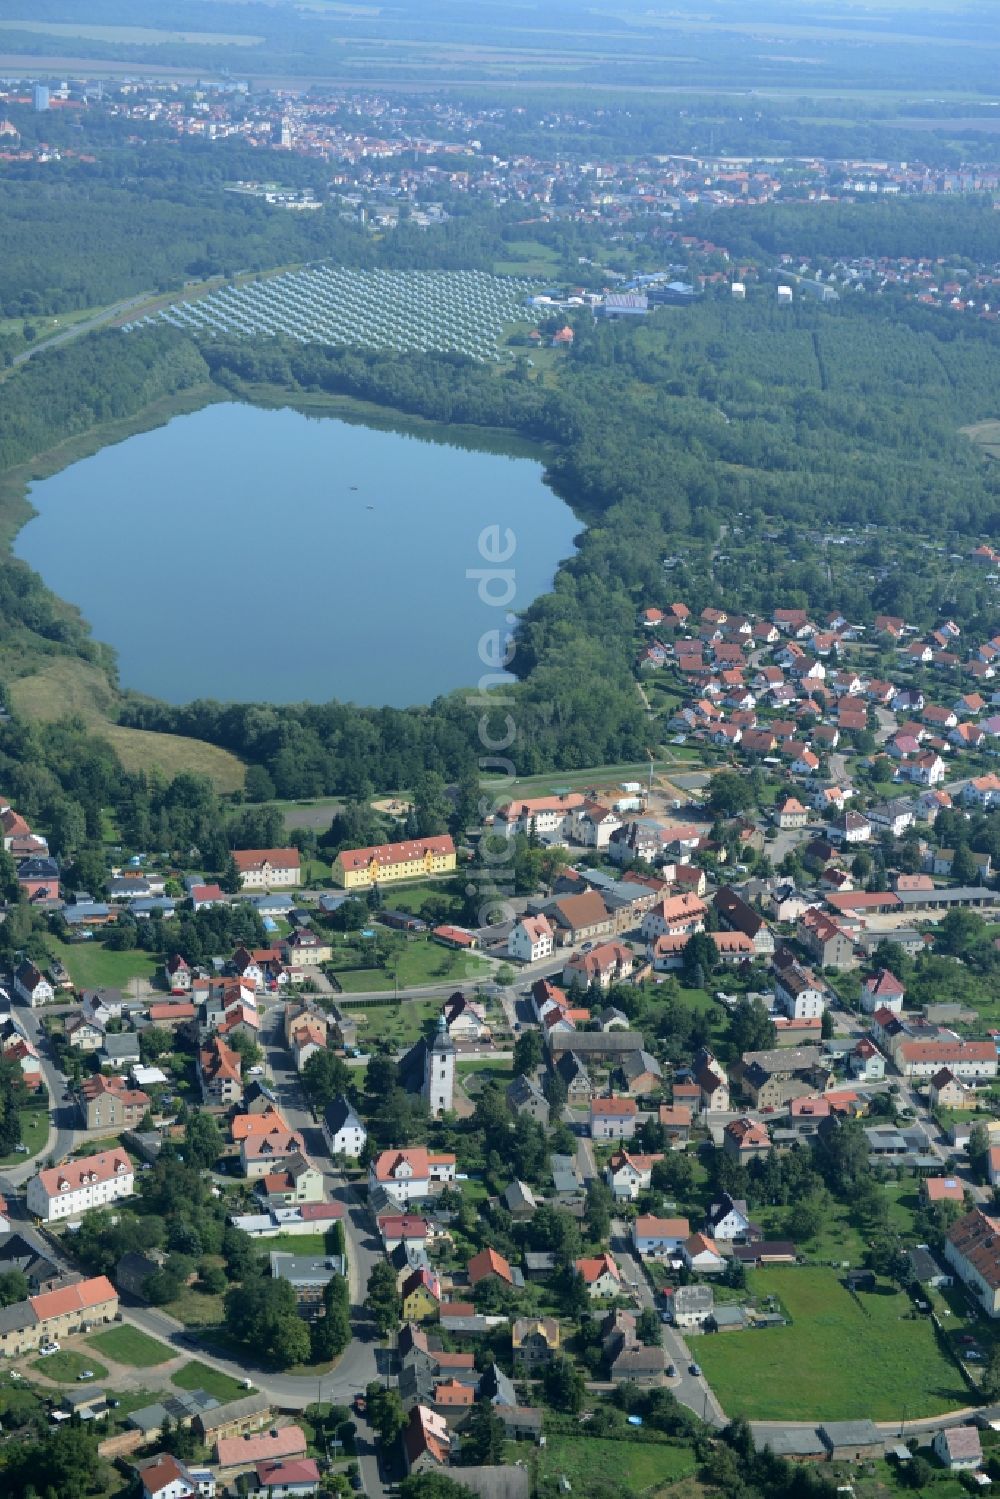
{"x": 461, "y": 312}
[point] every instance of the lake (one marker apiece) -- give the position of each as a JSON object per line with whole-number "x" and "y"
{"x": 250, "y": 554}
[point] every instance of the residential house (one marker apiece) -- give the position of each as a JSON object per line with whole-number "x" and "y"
{"x": 280, "y": 1442}
{"x": 700, "y": 1254}
{"x": 612, "y": 1118}
{"x": 531, "y": 939}
{"x": 406, "y": 1175}
{"x": 691, "y": 1306}
{"x": 677, "y": 915}
{"x": 31, "y": 986}
{"x": 579, "y": 918}
{"x": 791, "y": 814}
{"x": 524, "y": 1096}
{"x": 882, "y": 991}
{"x": 426, "y": 1441}
{"x": 308, "y": 1278}
{"x": 550, "y": 818}
{"x": 728, "y": 1220}
{"x": 958, "y": 1448}
{"x": 296, "y": 1181}
{"x": 343, "y": 1130}
{"x": 55, "y": 1314}
{"x": 659, "y": 1238}
{"x": 220, "y": 1070}
{"x": 607, "y": 963}
{"x": 713, "y": 1085}
{"x": 628, "y": 1174}
{"x": 967, "y": 1060}
{"x": 268, "y": 868}
{"x": 737, "y": 915}
{"x": 535, "y": 1342}
{"x": 946, "y": 1092}
{"x": 600, "y": 1276}
{"x": 746, "y": 1139}
{"x": 489, "y": 1265}
{"x": 573, "y": 1072}
{"x": 108, "y": 1103}
{"x": 972, "y": 1248}
{"x": 675, "y": 1120}
{"x": 93, "y": 1181}
{"x": 638, "y": 1074}
{"x": 799, "y": 993}
{"x": 295, "y": 1478}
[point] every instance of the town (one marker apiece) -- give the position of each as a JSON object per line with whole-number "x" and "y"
{"x": 720, "y": 1094}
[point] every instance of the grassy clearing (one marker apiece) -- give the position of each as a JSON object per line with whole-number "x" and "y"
{"x": 199, "y": 1376}
{"x": 92, "y": 966}
{"x": 196, "y": 1308}
{"x": 421, "y": 961}
{"x": 401, "y": 1025}
{"x": 34, "y": 1133}
{"x": 841, "y": 1358}
{"x": 68, "y": 686}
{"x": 127, "y": 1345}
{"x": 638, "y": 1467}
{"x": 65, "y": 1365}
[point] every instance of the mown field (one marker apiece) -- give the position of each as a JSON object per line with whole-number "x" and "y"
{"x": 840, "y": 1359}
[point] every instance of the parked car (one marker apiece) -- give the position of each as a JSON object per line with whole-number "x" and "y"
{"x": 48, "y": 1349}
{"x": 671, "y": 1371}
{"x": 694, "y": 1369}
{"x": 360, "y": 1405}
{"x": 21, "y": 1149}
{"x": 85, "y": 1374}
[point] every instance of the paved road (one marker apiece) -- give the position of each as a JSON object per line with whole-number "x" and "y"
{"x": 692, "y": 1390}
{"x": 63, "y": 1117}
{"x": 77, "y": 330}
{"x": 362, "y": 1361}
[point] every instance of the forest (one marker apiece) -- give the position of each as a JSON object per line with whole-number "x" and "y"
{"x": 768, "y": 421}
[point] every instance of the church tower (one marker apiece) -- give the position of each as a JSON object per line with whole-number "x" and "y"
{"x": 439, "y": 1072}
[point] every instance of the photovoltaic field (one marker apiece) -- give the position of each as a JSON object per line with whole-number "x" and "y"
{"x": 459, "y": 312}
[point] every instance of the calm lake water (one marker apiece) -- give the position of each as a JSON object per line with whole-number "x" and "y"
{"x": 247, "y": 554}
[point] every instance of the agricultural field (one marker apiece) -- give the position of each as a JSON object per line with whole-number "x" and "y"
{"x": 840, "y": 1358}
{"x": 447, "y": 312}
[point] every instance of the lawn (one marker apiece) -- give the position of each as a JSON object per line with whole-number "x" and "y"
{"x": 65, "y": 1365}
{"x": 837, "y": 1241}
{"x": 34, "y": 1133}
{"x": 401, "y": 1024}
{"x": 638, "y": 1467}
{"x": 420, "y": 962}
{"x": 127, "y": 1345}
{"x": 297, "y": 1244}
{"x": 198, "y": 1376}
{"x": 840, "y": 1359}
{"x": 92, "y": 966}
